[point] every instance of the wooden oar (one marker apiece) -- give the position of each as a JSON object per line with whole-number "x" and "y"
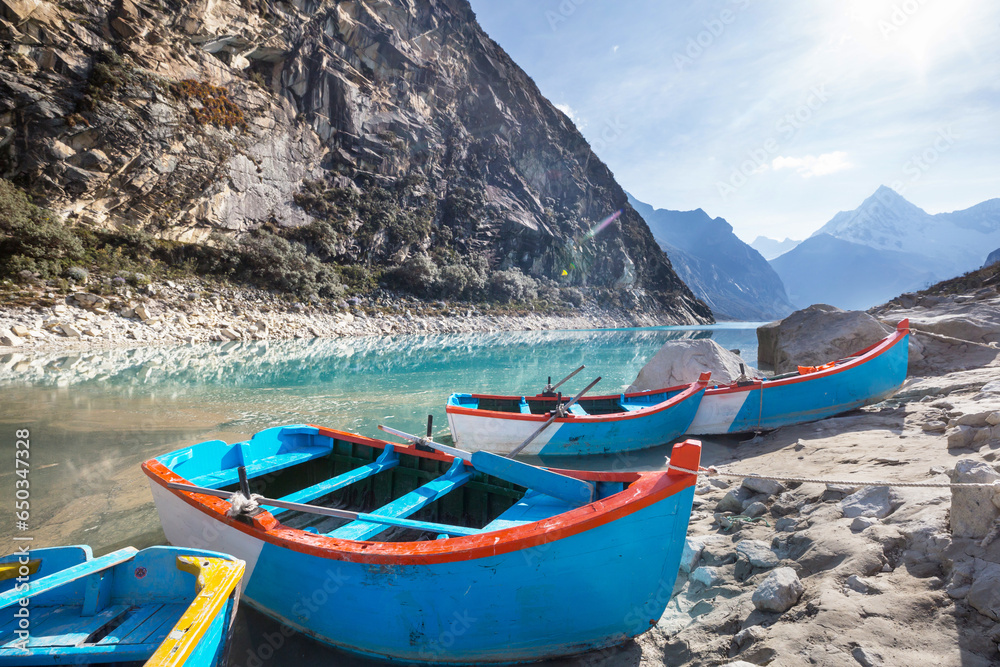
{"x": 340, "y": 514}
{"x": 551, "y": 419}
{"x": 551, "y": 388}
{"x": 570, "y": 489}
{"x": 427, "y": 442}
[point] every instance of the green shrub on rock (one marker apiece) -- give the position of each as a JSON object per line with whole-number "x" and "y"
{"x": 32, "y": 238}
{"x": 512, "y": 285}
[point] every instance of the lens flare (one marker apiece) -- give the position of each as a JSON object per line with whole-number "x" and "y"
{"x": 601, "y": 225}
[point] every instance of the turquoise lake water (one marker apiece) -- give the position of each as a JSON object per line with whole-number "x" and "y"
{"x": 95, "y": 416}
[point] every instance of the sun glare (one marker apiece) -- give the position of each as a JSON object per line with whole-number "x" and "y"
{"x": 919, "y": 31}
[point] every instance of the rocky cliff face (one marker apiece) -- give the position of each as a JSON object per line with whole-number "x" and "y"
{"x": 385, "y": 129}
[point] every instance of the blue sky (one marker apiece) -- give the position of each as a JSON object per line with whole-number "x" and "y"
{"x": 777, "y": 114}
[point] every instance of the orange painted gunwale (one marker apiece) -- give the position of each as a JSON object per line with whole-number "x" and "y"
{"x": 646, "y": 489}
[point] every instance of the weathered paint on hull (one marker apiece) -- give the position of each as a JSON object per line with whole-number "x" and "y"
{"x": 587, "y": 591}
{"x": 170, "y": 621}
{"x": 768, "y": 405}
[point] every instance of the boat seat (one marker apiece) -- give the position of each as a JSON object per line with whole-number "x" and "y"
{"x": 147, "y": 624}
{"x": 266, "y": 464}
{"x": 406, "y": 505}
{"x": 628, "y": 407}
{"x": 575, "y": 409}
{"x": 136, "y": 633}
{"x": 387, "y": 459}
{"x": 525, "y": 408}
{"x": 533, "y": 506}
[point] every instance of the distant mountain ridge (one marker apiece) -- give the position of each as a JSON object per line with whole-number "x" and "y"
{"x": 731, "y": 277}
{"x": 770, "y": 248}
{"x": 825, "y": 269}
{"x": 886, "y": 246}
{"x": 953, "y": 241}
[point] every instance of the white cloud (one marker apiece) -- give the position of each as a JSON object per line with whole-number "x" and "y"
{"x": 614, "y": 49}
{"x": 813, "y": 165}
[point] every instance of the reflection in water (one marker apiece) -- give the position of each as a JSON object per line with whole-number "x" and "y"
{"x": 95, "y": 416}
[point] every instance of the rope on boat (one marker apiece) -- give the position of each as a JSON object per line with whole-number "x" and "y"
{"x": 712, "y": 471}
{"x": 240, "y": 504}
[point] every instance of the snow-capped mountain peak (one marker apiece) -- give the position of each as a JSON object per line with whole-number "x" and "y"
{"x": 887, "y": 221}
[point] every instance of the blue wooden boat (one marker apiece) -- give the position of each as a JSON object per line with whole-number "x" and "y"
{"x": 423, "y": 553}
{"x": 868, "y": 376}
{"x": 594, "y": 425}
{"x": 165, "y": 606}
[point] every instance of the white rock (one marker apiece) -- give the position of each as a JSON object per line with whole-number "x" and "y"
{"x": 746, "y": 637}
{"x": 731, "y": 502}
{"x": 992, "y": 419}
{"x": 974, "y": 419}
{"x": 862, "y": 522}
{"x": 972, "y": 509}
{"x": 691, "y": 554}
{"x": 934, "y": 426}
{"x": 873, "y": 501}
{"x": 768, "y": 487}
{"x": 228, "y": 334}
{"x": 682, "y": 361}
{"x": 960, "y": 437}
{"x": 61, "y": 151}
{"x": 866, "y": 657}
{"x": 88, "y": 300}
{"x": 755, "y": 509}
{"x": 758, "y": 553}
{"x": 19, "y": 330}
{"x": 779, "y": 591}
{"x": 142, "y": 312}
{"x": 69, "y": 330}
{"x": 9, "y": 339}
{"x": 786, "y": 525}
{"x": 984, "y": 595}
{"x": 707, "y": 576}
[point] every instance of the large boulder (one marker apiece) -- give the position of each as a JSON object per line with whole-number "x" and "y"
{"x": 779, "y": 591}
{"x": 682, "y": 361}
{"x": 992, "y": 258}
{"x": 984, "y": 594}
{"x": 814, "y": 336}
{"x": 974, "y": 510}
{"x": 871, "y": 501}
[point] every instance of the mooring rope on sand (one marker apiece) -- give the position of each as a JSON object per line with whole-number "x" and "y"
{"x": 712, "y": 471}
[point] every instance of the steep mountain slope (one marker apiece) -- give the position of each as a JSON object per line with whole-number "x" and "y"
{"x": 388, "y": 133}
{"x": 771, "y": 248}
{"x": 824, "y": 269}
{"x": 953, "y": 242}
{"x": 723, "y": 271}
{"x": 992, "y": 258}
